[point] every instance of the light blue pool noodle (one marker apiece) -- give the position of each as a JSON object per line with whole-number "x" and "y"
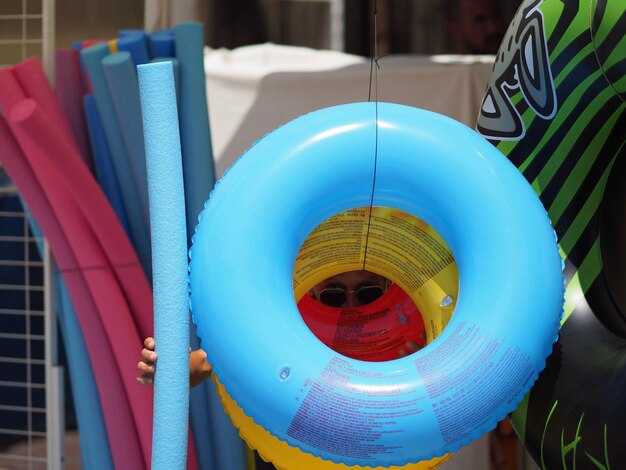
{"x": 138, "y": 219}
{"x": 121, "y": 78}
{"x": 199, "y": 398}
{"x": 105, "y": 173}
{"x": 176, "y": 67}
{"x": 136, "y": 44}
{"x": 162, "y": 43}
{"x": 94, "y": 444}
{"x": 198, "y": 165}
{"x": 169, "y": 261}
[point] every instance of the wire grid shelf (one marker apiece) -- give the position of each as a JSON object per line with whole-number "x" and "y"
{"x": 22, "y": 339}
{"x": 27, "y": 29}
{"x": 30, "y": 383}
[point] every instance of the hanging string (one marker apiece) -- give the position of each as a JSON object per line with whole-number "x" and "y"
{"x": 373, "y": 76}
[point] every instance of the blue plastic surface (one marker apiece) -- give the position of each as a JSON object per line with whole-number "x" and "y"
{"x": 94, "y": 443}
{"x": 121, "y": 78}
{"x": 169, "y": 252}
{"x": 162, "y": 43}
{"x": 198, "y": 165}
{"x": 137, "y": 219}
{"x": 105, "y": 173}
{"x": 230, "y": 449}
{"x": 136, "y": 44}
{"x": 376, "y": 413}
{"x": 176, "y": 72}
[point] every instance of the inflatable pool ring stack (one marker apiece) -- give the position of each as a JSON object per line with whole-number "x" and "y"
{"x": 555, "y": 105}
{"x": 330, "y": 250}
{"x": 393, "y": 413}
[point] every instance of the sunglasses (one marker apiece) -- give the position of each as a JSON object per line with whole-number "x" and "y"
{"x": 337, "y": 296}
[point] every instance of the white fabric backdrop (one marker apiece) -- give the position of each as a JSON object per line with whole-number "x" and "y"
{"x": 254, "y": 89}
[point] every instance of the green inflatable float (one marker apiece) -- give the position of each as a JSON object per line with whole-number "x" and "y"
{"x": 555, "y": 105}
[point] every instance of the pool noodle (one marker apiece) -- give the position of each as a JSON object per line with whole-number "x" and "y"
{"x": 64, "y": 229}
{"x": 198, "y": 166}
{"x": 31, "y": 77}
{"x": 105, "y": 172}
{"x": 94, "y": 445}
{"x": 162, "y": 43}
{"x": 36, "y": 132}
{"x": 80, "y": 181}
{"x": 106, "y": 226}
{"x": 230, "y": 449}
{"x": 125, "y": 32}
{"x": 136, "y": 44}
{"x": 28, "y": 124}
{"x": 169, "y": 248}
{"x": 124, "y": 90}
{"x": 11, "y": 92}
{"x": 200, "y": 416}
{"x": 91, "y": 42}
{"x": 176, "y": 71}
{"x": 199, "y": 175}
{"x": 69, "y": 91}
{"x": 79, "y": 46}
{"x": 49, "y": 141}
{"x": 137, "y": 218}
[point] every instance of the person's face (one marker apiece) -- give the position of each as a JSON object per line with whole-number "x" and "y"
{"x": 350, "y": 289}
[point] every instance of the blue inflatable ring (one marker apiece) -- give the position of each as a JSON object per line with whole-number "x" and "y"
{"x": 375, "y": 413}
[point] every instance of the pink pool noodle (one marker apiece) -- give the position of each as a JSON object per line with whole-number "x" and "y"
{"x": 64, "y": 227}
{"x": 69, "y": 91}
{"x": 11, "y": 92}
{"x": 32, "y": 79}
{"x": 37, "y": 140}
{"x": 81, "y": 183}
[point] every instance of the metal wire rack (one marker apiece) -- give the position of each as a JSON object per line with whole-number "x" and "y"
{"x": 31, "y": 383}
{"x": 27, "y": 29}
{"x": 31, "y": 391}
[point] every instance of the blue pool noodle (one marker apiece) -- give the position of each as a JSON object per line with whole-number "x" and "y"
{"x": 199, "y": 406}
{"x": 136, "y": 44}
{"x": 169, "y": 261}
{"x": 138, "y": 220}
{"x": 94, "y": 443}
{"x": 105, "y": 173}
{"x": 162, "y": 43}
{"x": 121, "y": 77}
{"x": 230, "y": 450}
{"x": 199, "y": 174}
{"x": 198, "y": 165}
{"x": 125, "y": 32}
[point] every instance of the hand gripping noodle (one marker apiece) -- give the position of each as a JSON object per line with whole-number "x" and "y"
{"x": 375, "y": 413}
